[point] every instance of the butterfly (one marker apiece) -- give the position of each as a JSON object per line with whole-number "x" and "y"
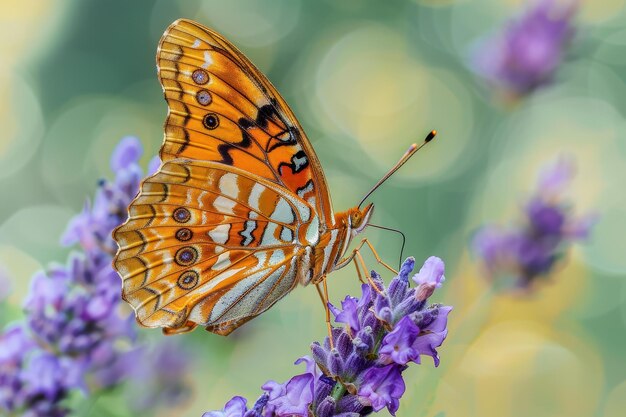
{"x": 239, "y": 212}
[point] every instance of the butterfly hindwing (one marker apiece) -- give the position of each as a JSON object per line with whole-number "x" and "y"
{"x": 221, "y": 108}
{"x": 207, "y": 243}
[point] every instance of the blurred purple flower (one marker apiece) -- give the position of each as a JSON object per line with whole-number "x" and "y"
{"x": 93, "y": 226}
{"x": 73, "y": 309}
{"x": 75, "y": 335}
{"x": 33, "y": 380}
{"x": 361, "y": 370}
{"x": 530, "y": 250}
{"x": 528, "y": 51}
{"x": 157, "y": 376}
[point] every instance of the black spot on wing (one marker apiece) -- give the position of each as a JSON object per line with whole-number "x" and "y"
{"x": 245, "y": 142}
{"x": 305, "y": 188}
{"x": 299, "y": 161}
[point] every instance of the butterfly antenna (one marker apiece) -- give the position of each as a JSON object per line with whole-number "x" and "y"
{"x": 408, "y": 154}
{"x": 396, "y": 231}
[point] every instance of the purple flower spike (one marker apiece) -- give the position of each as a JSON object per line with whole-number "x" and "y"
{"x": 74, "y": 334}
{"x": 360, "y": 372}
{"x": 383, "y": 387}
{"x": 528, "y": 250}
{"x": 527, "y": 53}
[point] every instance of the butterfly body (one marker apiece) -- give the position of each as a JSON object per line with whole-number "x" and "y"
{"x": 239, "y": 212}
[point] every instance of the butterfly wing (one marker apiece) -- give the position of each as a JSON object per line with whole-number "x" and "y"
{"x": 208, "y": 243}
{"x": 222, "y": 108}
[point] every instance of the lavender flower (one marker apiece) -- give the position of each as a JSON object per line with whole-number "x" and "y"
{"x": 360, "y": 372}
{"x": 523, "y": 253}
{"x": 527, "y": 52}
{"x": 33, "y": 380}
{"x": 73, "y": 309}
{"x": 74, "y": 336}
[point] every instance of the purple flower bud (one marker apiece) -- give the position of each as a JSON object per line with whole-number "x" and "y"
{"x": 351, "y": 404}
{"x": 377, "y": 281}
{"x": 127, "y": 152}
{"x": 369, "y": 320}
{"x": 335, "y": 333}
{"x": 323, "y": 387}
{"x": 355, "y": 363}
{"x": 335, "y": 363}
{"x": 319, "y": 353}
{"x": 326, "y": 408}
{"x": 397, "y": 290}
{"x": 385, "y": 314}
{"x": 344, "y": 345}
{"x": 406, "y": 268}
{"x": 366, "y": 336}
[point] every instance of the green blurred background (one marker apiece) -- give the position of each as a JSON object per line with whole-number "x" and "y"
{"x": 365, "y": 78}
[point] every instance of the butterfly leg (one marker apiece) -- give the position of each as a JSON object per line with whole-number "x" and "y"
{"x": 360, "y": 259}
{"x": 358, "y": 270}
{"x": 376, "y": 256}
{"x": 324, "y": 297}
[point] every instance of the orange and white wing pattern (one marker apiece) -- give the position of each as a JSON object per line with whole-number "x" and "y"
{"x": 207, "y": 243}
{"x": 223, "y": 109}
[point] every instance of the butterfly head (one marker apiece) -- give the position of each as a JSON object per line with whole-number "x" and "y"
{"x": 359, "y": 218}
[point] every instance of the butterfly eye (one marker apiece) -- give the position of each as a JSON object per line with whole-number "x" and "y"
{"x": 211, "y": 121}
{"x": 184, "y": 234}
{"x": 186, "y": 256}
{"x": 182, "y": 215}
{"x": 203, "y": 97}
{"x": 200, "y": 76}
{"x": 188, "y": 280}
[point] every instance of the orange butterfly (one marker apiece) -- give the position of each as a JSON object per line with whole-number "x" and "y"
{"x": 239, "y": 212}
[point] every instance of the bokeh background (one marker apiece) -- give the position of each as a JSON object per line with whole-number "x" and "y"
{"x": 366, "y": 78}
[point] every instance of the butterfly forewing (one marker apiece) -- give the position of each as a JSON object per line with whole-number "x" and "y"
{"x": 221, "y": 108}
